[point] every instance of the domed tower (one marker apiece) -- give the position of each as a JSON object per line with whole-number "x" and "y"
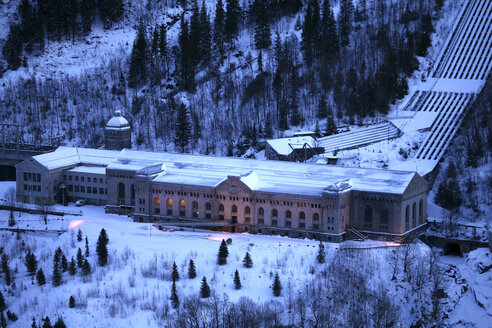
{"x": 118, "y": 132}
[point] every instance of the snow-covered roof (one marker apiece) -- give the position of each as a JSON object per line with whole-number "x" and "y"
{"x": 118, "y": 121}
{"x": 69, "y": 156}
{"x": 266, "y": 176}
{"x": 209, "y": 171}
{"x": 284, "y": 146}
{"x": 89, "y": 169}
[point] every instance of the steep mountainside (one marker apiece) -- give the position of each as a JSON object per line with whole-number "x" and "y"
{"x": 236, "y": 71}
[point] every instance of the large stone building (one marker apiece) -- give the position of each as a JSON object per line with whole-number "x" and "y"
{"x": 317, "y": 201}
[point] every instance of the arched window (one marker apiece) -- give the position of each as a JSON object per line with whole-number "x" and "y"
{"x": 414, "y": 215}
{"x": 302, "y": 216}
{"x": 288, "y": 214}
{"x": 421, "y": 212}
{"x": 194, "y": 205}
{"x": 315, "y": 217}
{"x": 182, "y": 203}
{"x": 157, "y": 201}
{"x": 221, "y": 207}
{"x": 121, "y": 190}
{"x": 234, "y": 209}
{"x": 368, "y": 214}
{"x": 208, "y": 206}
{"x": 274, "y": 213}
{"x": 407, "y": 217}
{"x": 384, "y": 216}
{"x": 261, "y": 211}
{"x": 132, "y": 189}
{"x": 247, "y": 210}
{"x": 169, "y": 202}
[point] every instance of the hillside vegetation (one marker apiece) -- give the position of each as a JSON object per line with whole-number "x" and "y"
{"x": 211, "y": 77}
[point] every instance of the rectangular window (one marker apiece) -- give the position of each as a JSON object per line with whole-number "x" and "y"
{"x": 101, "y": 180}
{"x": 39, "y": 188}
{"x": 261, "y": 221}
{"x": 88, "y": 179}
{"x": 82, "y": 179}
{"x": 315, "y": 226}
{"x": 208, "y": 216}
{"x": 302, "y": 225}
{"x": 76, "y": 178}
{"x": 288, "y": 224}
{"x": 274, "y": 222}
{"x": 221, "y": 217}
{"x": 70, "y": 188}
{"x": 69, "y": 178}
{"x": 101, "y": 191}
{"x": 89, "y": 190}
{"x": 25, "y": 187}
{"x": 182, "y": 213}
{"x": 247, "y": 219}
{"x": 64, "y": 177}
{"x": 106, "y": 192}
{"x": 76, "y": 188}
{"x": 169, "y": 212}
{"x": 28, "y": 176}
{"x": 157, "y": 210}
{"x": 82, "y": 188}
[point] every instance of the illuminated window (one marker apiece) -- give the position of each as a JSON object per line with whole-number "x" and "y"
{"x": 169, "y": 202}
{"x": 157, "y": 201}
{"x": 182, "y": 203}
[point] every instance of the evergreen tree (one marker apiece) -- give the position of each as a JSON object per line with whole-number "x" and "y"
{"x": 247, "y": 261}
{"x": 59, "y": 323}
{"x": 102, "y": 248}
{"x": 31, "y": 263}
{"x": 260, "y": 62}
{"x": 80, "y": 258}
{"x": 345, "y": 19}
{"x": 58, "y": 255}
{"x": 174, "y": 296}
{"x": 194, "y": 36}
{"x": 86, "y": 247}
{"x": 139, "y": 59}
{"x": 205, "y": 33}
{"x": 237, "y": 281}
{"x": 47, "y": 323}
{"x": 3, "y": 321}
{"x": 64, "y": 263}
{"x": 262, "y": 27}
{"x": 191, "y": 270}
{"x": 204, "y": 289}
{"x": 277, "y": 286}
{"x": 331, "y": 128}
{"x": 33, "y": 324}
{"x": 79, "y": 235}
{"x": 87, "y": 8}
{"x": 182, "y": 128}
{"x": 86, "y": 268}
{"x": 11, "y": 219}
{"x": 329, "y": 45}
{"x": 41, "y": 279}
{"x": 232, "y": 19}
{"x": 186, "y": 64}
{"x": 12, "y": 48}
{"x": 72, "y": 267}
{"x": 320, "y": 257}
{"x": 223, "y": 253}
{"x": 175, "y": 273}
{"x": 71, "y": 302}
{"x": 219, "y": 26}
{"x": 3, "y": 306}
{"x": 110, "y": 11}
{"x": 56, "y": 276}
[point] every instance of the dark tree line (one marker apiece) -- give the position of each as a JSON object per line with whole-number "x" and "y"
{"x": 43, "y": 20}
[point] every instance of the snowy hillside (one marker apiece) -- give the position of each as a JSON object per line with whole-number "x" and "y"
{"x": 408, "y": 284}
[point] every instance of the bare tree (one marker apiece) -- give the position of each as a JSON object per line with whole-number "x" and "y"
{"x": 9, "y": 196}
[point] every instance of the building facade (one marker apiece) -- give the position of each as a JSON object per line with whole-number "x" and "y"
{"x": 271, "y": 197}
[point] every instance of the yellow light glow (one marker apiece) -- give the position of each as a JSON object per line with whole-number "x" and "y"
{"x": 75, "y": 223}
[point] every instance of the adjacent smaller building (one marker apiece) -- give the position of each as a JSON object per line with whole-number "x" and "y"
{"x": 118, "y": 133}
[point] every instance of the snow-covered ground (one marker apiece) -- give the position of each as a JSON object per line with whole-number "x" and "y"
{"x": 133, "y": 290}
